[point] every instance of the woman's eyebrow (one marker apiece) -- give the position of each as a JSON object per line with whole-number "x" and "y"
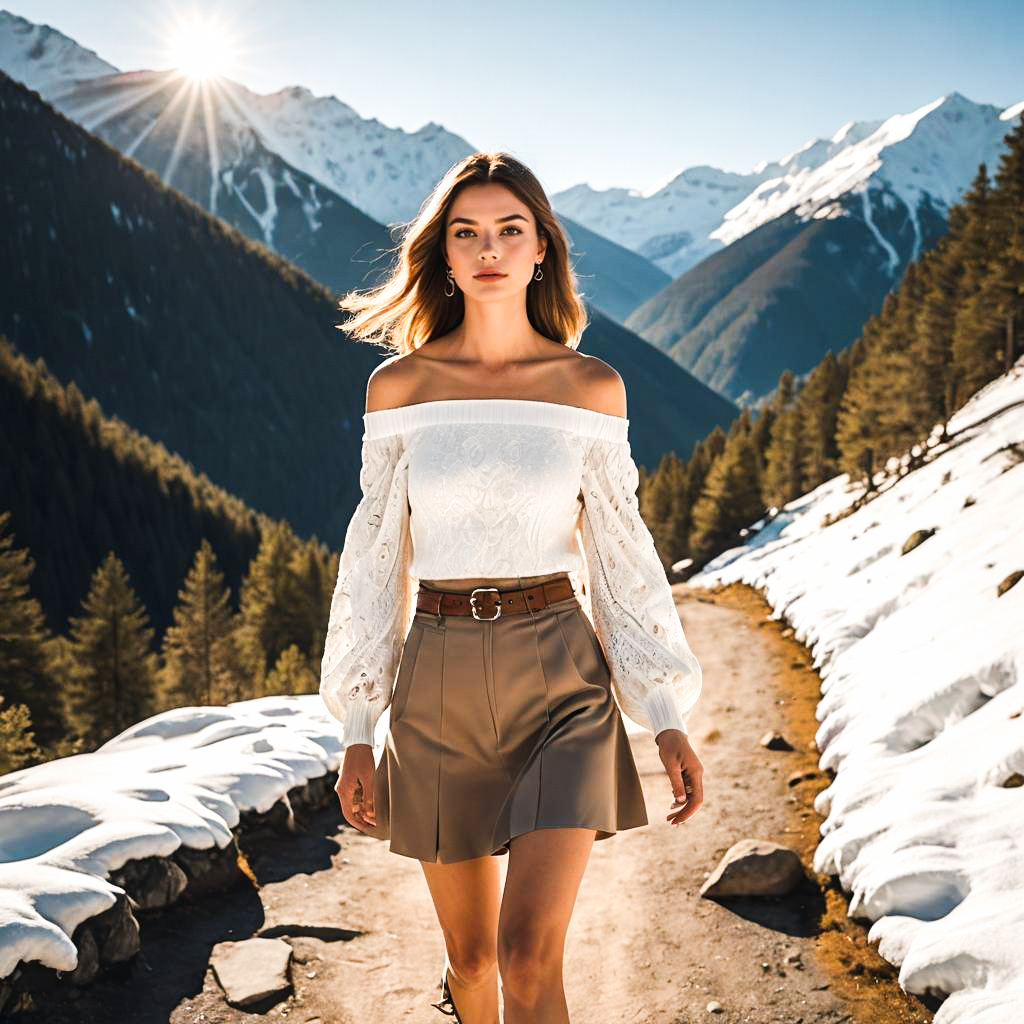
{"x": 499, "y": 220}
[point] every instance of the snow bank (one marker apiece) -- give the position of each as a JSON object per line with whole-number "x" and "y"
{"x": 922, "y": 668}
{"x": 180, "y": 778}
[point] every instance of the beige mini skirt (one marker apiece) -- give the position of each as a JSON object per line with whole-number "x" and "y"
{"x": 502, "y": 727}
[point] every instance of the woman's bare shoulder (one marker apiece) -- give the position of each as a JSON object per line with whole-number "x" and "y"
{"x": 571, "y": 377}
{"x": 391, "y": 382}
{"x": 599, "y": 386}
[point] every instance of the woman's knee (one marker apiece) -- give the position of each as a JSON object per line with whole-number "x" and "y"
{"x": 472, "y": 959}
{"x": 529, "y": 958}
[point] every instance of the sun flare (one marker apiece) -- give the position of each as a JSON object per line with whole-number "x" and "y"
{"x": 201, "y": 50}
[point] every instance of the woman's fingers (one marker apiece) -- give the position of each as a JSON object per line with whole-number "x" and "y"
{"x": 353, "y": 805}
{"x": 694, "y": 788}
{"x": 685, "y": 807}
{"x": 368, "y": 809}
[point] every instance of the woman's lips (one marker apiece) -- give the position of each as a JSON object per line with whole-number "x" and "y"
{"x": 488, "y": 277}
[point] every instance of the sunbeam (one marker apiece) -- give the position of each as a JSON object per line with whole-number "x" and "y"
{"x": 200, "y": 48}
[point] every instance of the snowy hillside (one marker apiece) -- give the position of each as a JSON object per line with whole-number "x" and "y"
{"x": 40, "y": 56}
{"x": 180, "y": 778}
{"x": 921, "y": 656}
{"x": 385, "y": 172}
{"x": 929, "y": 155}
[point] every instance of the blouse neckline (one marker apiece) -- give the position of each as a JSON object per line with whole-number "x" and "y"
{"x": 530, "y": 411}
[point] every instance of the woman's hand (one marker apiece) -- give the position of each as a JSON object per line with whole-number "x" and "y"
{"x": 355, "y": 787}
{"x": 685, "y": 772}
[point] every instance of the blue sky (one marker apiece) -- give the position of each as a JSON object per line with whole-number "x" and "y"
{"x": 593, "y": 91}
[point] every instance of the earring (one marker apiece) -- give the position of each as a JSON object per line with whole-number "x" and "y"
{"x": 451, "y": 281}
{"x": 539, "y": 276}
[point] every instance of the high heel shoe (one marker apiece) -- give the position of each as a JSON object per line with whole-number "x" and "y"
{"x": 446, "y": 1004}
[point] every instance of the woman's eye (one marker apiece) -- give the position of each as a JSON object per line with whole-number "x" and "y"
{"x": 511, "y": 227}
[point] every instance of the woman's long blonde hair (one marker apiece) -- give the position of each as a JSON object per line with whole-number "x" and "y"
{"x": 410, "y": 308}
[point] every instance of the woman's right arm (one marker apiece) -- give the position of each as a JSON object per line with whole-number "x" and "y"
{"x": 372, "y": 600}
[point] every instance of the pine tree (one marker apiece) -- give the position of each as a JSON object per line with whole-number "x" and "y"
{"x": 658, "y": 507}
{"x": 1004, "y": 286}
{"x": 114, "y": 679}
{"x": 894, "y": 405}
{"x": 932, "y": 388}
{"x": 313, "y": 587}
{"x": 677, "y": 527}
{"x": 863, "y": 444}
{"x": 817, "y": 406}
{"x": 782, "y": 460}
{"x": 975, "y": 331}
{"x": 731, "y": 500}
{"x": 17, "y": 744}
{"x": 196, "y": 646}
{"x": 236, "y": 679}
{"x": 292, "y": 674}
{"x": 271, "y": 621}
{"x": 24, "y": 638}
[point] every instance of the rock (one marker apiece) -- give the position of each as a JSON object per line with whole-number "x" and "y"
{"x": 712, "y": 734}
{"x": 252, "y": 969}
{"x": 775, "y": 741}
{"x": 1014, "y": 781}
{"x": 916, "y": 538}
{"x": 754, "y": 867}
{"x": 151, "y": 881}
{"x": 1014, "y": 578}
{"x": 715, "y": 1006}
{"x": 801, "y": 775}
{"x": 108, "y": 938}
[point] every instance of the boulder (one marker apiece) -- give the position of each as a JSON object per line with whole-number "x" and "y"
{"x": 775, "y": 741}
{"x": 754, "y": 867}
{"x": 1010, "y": 581}
{"x": 916, "y": 538}
{"x": 252, "y": 969}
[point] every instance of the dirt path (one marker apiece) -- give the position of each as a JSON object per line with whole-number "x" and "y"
{"x": 642, "y": 947}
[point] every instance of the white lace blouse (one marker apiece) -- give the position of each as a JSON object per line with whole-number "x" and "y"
{"x": 492, "y": 487}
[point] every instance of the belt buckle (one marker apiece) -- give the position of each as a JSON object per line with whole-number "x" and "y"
{"x": 472, "y": 603}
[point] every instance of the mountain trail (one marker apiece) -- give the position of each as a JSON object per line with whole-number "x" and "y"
{"x": 643, "y": 947}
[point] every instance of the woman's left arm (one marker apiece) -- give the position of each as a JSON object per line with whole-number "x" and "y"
{"x": 656, "y": 677}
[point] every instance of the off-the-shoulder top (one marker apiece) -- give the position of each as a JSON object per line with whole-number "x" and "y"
{"x": 501, "y": 487}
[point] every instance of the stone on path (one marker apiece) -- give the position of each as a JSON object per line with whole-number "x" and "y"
{"x": 775, "y": 741}
{"x": 801, "y": 775}
{"x": 755, "y": 867}
{"x": 252, "y": 969}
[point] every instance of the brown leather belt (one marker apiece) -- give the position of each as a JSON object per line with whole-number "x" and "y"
{"x": 488, "y": 603}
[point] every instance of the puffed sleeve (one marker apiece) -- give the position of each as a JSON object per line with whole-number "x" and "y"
{"x": 372, "y": 606}
{"x": 656, "y": 678}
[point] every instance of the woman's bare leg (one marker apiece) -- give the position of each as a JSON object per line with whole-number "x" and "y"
{"x": 466, "y": 897}
{"x": 545, "y": 869}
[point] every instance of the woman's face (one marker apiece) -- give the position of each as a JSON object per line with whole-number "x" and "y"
{"x": 490, "y": 230}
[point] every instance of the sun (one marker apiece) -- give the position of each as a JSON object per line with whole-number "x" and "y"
{"x": 199, "y": 49}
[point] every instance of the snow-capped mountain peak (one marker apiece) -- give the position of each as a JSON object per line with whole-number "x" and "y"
{"x": 932, "y": 151}
{"x": 383, "y": 171}
{"x": 39, "y": 55}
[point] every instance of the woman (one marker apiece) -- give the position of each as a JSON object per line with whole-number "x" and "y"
{"x": 503, "y": 645}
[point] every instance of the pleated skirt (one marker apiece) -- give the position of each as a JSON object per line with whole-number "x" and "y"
{"x": 502, "y": 727}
